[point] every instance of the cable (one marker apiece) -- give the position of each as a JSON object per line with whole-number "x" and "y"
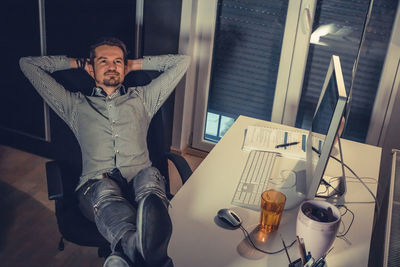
{"x": 329, "y": 185}
{"x": 322, "y": 194}
{"x": 351, "y": 223}
{"x": 339, "y": 206}
{"x": 326, "y": 190}
{"x": 247, "y": 235}
{"x": 361, "y": 181}
{"x": 372, "y": 180}
{"x": 355, "y": 65}
{"x": 347, "y": 167}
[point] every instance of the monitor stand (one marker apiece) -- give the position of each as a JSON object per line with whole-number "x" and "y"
{"x": 340, "y": 189}
{"x": 342, "y": 181}
{"x": 297, "y": 194}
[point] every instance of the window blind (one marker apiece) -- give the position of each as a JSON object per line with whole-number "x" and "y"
{"x": 348, "y": 17}
{"x": 247, "y": 47}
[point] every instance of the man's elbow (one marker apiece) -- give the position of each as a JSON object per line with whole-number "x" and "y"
{"x": 23, "y": 62}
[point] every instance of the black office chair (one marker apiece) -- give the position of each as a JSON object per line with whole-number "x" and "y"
{"x": 63, "y": 177}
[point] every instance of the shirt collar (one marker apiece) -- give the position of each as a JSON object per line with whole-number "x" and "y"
{"x": 98, "y": 91}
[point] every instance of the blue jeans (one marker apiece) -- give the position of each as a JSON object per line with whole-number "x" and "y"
{"x": 104, "y": 202}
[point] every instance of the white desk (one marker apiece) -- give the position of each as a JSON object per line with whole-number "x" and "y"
{"x": 197, "y": 240}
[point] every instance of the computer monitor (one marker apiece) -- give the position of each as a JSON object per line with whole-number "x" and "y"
{"x": 326, "y": 123}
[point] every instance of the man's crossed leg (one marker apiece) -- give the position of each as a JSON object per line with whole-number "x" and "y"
{"x": 142, "y": 228}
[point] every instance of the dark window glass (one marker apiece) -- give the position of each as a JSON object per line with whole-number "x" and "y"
{"x": 22, "y": 108}
{"x": 72, "y": 26}
{"x": 247, "y": 47}
{"x": 338, "y": 26}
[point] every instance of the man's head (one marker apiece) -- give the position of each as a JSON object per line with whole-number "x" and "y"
{"x": 110, "y": 41}
{"x": 108, "y": 58}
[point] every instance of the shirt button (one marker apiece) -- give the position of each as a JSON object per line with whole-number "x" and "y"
{"x": 113, "y": 122}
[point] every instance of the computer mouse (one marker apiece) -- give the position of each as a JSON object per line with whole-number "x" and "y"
{"x": 230, "y": 217}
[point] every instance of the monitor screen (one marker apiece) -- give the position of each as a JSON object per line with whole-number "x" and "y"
{"x": 324, "y": 114}
{"x": 325, "y": 125}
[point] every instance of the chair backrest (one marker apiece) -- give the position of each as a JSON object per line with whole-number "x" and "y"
{"x": 156, "y": 145}
{"x": 73, "y": 226}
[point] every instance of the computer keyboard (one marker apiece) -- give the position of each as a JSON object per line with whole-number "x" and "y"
{"x": 254, "y": 179}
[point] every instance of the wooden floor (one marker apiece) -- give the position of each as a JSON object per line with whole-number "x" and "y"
{"x": 28, "y": 227}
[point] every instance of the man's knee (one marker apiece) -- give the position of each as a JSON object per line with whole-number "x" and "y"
{"x": 105, "y": 188}
{"x": 149, "y": 180}
{"x": 95, "y": 197}
{"x": 149, "y": 172}
{"x": 149, "y": 177}
{"x": 100, "y": 194}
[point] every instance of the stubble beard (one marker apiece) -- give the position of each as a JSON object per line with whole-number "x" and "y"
{"x": 113, "y": 80}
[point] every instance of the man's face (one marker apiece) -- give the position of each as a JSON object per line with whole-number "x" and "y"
{"x": 109, "y": 67}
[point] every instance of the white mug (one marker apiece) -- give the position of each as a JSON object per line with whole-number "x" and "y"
{"x": 318, "y": 236}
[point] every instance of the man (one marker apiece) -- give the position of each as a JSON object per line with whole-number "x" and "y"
{"x": 111, "y": 128}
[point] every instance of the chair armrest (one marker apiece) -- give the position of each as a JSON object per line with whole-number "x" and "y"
{"x": 54, "y": 180}
{"x": 181, "y": 165}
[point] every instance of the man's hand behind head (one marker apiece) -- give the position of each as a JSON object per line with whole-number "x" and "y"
{"x": 133, "y": 64}
{"x": 74, "y": 64}
{"x": 89, "y": 68}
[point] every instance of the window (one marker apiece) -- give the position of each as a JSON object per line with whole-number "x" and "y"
{"x": 247, "y": 45}
{"x": 337, "y": 30}
{"x": 22, "y": 112}
{"x": 230, "y": 52}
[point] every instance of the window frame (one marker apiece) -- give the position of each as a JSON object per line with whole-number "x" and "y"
{"x": 197, "y": 39}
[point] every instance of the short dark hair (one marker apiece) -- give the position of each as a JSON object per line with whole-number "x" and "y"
{"x": 111, "y": 41}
